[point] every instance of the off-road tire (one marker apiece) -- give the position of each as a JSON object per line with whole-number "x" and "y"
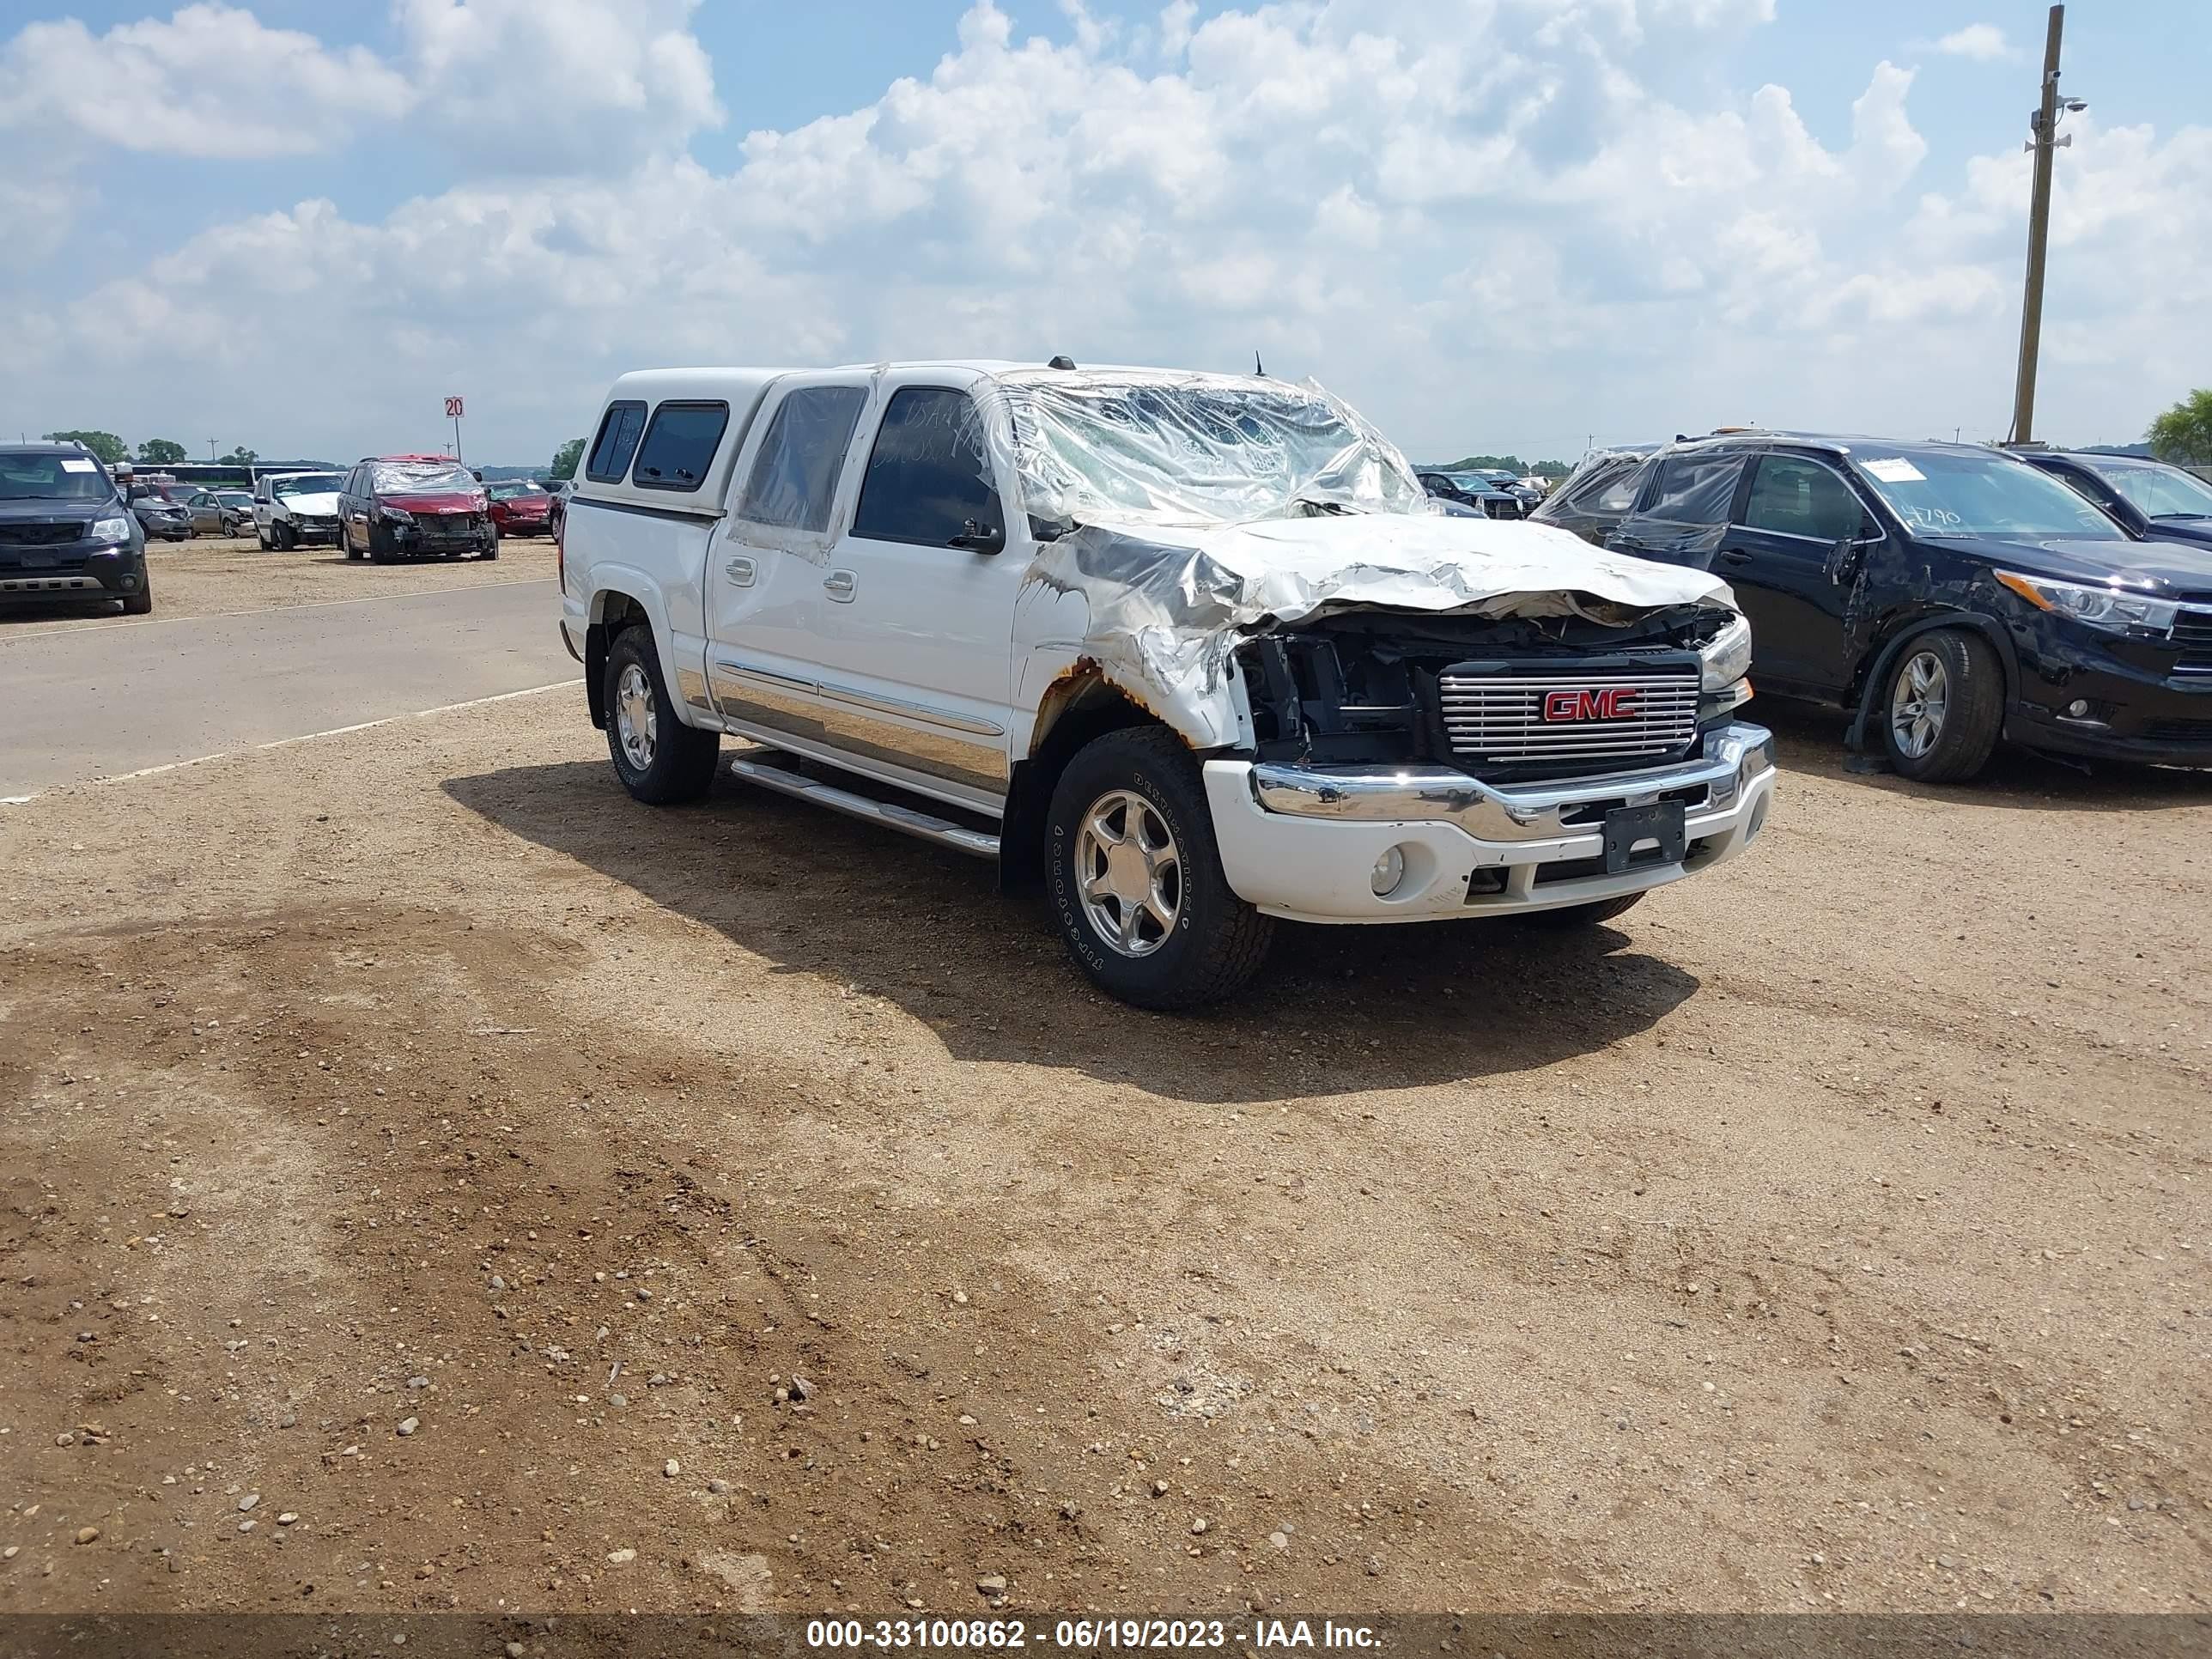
{"x": 1973, "y": 716}
{"x": 1218, "y": 941}
{"x": 1569, "y": 918}
{"x": 682, "y": 765}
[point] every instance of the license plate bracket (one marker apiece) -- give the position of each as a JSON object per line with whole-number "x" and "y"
{"x": 1626, "y": 828}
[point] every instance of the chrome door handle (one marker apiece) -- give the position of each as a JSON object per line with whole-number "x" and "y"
{"x": 839, "y": 585}
{"x": 742, "y": 572}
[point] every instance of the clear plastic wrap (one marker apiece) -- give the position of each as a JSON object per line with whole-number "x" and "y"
{"x": 1148, "y": 447}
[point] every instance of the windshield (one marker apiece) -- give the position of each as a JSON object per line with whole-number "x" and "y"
{"x": 233, "y": 498}
{"x": 1123, "y": 446}
{"x": 507, "y": 492}
{"x": 2157, "y": 491}
{"x": 305, "y": 484}
{"x": 51, "y": 478}
{"x": 1474, "y": 484}
{"x": 400, "y": 477}
{"x": 1945, "y": 492}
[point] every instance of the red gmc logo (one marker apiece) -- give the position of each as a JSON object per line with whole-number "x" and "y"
{"x": 1615, "y": 702}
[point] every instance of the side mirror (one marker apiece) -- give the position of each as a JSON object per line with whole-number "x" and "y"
{"x": 980, "y": 538}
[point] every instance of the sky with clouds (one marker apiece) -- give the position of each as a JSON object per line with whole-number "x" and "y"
{"x": 1493, "y": 225}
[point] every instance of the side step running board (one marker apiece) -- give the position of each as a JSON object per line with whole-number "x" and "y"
{"x": 905, "y": 819}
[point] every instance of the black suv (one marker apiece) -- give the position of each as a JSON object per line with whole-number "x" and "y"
{"x": 1471, "y": 490}
{"x": 1948, "y": 594}
{"x": 1593, "y": 499}
{"x": 66, "y": 531}
{"x": 2158, "y": 503}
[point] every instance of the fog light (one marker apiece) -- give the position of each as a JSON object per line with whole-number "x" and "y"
{"x": 1389, "y": 871}
{"x": 2078, "y": 709}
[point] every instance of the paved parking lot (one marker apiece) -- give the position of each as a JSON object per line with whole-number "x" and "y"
{"x": 539, "y": 1198}
{"x": 249, "y": 649}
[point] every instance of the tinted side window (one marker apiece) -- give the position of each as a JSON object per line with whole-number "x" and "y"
{"x": 794, "y": 473}
{"x": 1695, "y": 489}
{"x": 679, "y": 446}
{"x": 617, "y": 441}
{"x": 1798, "y": 497}
{"x": 929, "y": 476}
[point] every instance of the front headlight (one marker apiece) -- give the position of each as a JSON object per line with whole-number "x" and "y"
{"x": 395, "y": 515}
{"x": 2100, "y": 607}
{"x": 117, "y": 529}
{"x": 1727, "y": 656}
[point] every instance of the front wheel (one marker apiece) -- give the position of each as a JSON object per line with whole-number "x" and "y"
{"x": 140, "y": 604}
{"x": 287, "y": 539}
{"x": 659, "y": 760}
{"x": 1943, "y": 707}
{"x": 1136, "y": 879}
{"x": 492, "y": 552}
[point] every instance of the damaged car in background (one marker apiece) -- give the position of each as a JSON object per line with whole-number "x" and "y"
{"x": 1193, "y": 650}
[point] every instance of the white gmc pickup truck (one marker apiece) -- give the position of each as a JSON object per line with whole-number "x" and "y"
{"x": 1194, "y": 649}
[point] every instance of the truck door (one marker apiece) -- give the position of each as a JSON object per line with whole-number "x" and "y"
{"x": 1783, "y": 555}
{"x": 763, "y": 581}
{"x": 915, "y": 627}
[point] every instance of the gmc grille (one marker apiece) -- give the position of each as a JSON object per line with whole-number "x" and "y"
{"x": 1529, "y": 713}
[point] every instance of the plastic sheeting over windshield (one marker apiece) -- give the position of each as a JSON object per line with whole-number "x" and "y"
{"x": 400, "y": 476}
{"x": 1152, "y": 448}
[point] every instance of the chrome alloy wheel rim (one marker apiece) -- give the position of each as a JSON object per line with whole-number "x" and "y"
{"x": 637, "y": 722}
{"x": 1130, "y": 871}
{"x": 1917, "y": 705}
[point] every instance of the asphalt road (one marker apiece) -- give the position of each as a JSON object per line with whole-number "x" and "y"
{"x": 94, "y": 703}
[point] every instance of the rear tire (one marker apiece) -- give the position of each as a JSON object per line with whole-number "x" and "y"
{"x": 1943, "y": 707}
{"x": 660, "y": 760}
{"x": 1569, "y": 918}
{"x": 1135, "y": 878}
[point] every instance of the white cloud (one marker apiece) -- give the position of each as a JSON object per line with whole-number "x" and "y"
{"x": 210, "y": 84}
{"x": 1499, "y": 245}
{"x": 1984, "y": 42}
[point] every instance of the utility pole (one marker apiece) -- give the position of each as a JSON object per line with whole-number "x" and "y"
{"x": 2043, "y": 125}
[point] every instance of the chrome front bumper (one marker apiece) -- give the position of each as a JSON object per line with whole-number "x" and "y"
{"x": 1732, "y": 758}
{"x": 1306, "y": 844}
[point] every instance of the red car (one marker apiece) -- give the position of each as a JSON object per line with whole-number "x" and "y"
{"x": 401, "y": 507}
{"x": 521, "y": 507}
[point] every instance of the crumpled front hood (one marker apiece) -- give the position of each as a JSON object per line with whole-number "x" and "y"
{"x": 311, "y": 507}
{"x": 1166, "y": 608}
{"x": 435, "y": 501}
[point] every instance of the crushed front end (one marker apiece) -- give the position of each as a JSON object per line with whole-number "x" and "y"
{"x": 1412, "y": 766}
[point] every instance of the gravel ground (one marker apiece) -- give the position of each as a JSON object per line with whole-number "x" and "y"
{"x": 213, "y": 576}
{"x": 434, "y": 1180}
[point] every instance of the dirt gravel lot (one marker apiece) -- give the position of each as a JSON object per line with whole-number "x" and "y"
{"x": 432, "y": 1180}
{"x": 223, "y": 575}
